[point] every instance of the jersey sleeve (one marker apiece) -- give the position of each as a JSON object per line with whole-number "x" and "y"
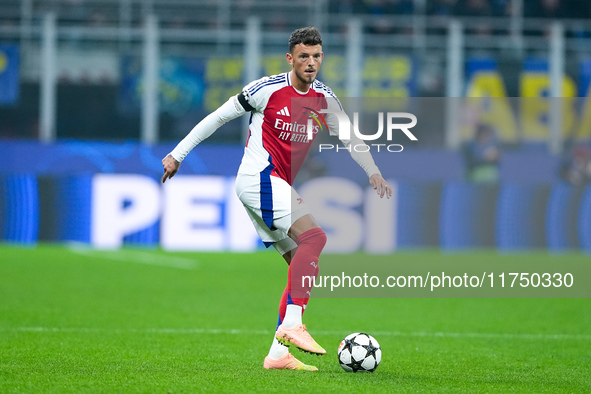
{"x": 231, "y": 109}
{"x": 333, "y": 105}
{"x": 252, "y": 97}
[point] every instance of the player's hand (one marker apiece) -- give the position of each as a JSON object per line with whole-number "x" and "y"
{"x": 380, "y": 186}
{"x": 171, "y": 166}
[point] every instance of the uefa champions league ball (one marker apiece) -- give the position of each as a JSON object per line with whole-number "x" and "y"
{"x": 359, "y": 352}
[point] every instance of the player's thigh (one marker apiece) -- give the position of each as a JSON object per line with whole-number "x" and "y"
{"x": 268, "y": 236}
{"x": 272, "y": 211}
{"x": 279, "y": 239}
{"x": 278, "y": 204}
{"x": 288, "y": 206}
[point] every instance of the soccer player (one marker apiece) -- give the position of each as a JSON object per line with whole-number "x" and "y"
{"x": 273, "y": 154}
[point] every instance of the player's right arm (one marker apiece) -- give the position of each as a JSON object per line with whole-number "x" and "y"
{"x": 233, "y": 108}
{"x": 252, "y": 98}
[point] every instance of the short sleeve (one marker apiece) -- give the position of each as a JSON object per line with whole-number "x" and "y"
{"x": 253, "y": 94}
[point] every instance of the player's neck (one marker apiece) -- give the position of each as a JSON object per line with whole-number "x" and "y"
{"x": 298, "y": 84}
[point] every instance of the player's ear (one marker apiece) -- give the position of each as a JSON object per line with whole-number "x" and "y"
{"x": 289, "y": 58}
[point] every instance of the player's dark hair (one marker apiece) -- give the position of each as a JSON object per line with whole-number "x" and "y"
{"x": 305, "y": 35}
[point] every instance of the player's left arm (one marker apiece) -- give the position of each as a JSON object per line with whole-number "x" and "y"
{"x": 380, "y": 185}
{"x": 365, "y": 160}
{"x": 362, "y": 156}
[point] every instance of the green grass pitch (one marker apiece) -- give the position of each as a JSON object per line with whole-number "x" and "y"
{"x": 76, "y": 320}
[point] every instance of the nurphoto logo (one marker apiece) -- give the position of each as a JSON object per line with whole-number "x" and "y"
{"x": 344, "y": 129}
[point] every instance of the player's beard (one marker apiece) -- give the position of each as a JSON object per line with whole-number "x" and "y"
{"x": 307, "y": 79}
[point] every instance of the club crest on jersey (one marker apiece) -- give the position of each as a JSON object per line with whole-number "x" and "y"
{"x": 317, "y": 116}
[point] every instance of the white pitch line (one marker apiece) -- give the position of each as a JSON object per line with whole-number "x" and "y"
{"x": 486, "y": 335}
{"x": 135, "y": 256}
{"x": 137, "y": 330}
{"x": 226, "y": 331}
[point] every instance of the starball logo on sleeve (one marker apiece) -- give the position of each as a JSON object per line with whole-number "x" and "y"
{"x": 317, "y": 121}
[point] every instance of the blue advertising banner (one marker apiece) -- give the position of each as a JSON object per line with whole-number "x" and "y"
{"x": 476, "y": 64}
{"x": 584, "y": 77}
{"x": 9, "y": 73}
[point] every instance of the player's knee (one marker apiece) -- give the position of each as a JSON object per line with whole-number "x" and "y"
{"x": 321, "y": 238}
{"x": 315, "y": 236}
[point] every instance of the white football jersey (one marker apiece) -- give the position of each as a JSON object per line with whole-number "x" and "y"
{"x": 277, "y": 138}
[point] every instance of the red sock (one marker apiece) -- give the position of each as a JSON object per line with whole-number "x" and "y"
{"x": 304, "y": 266}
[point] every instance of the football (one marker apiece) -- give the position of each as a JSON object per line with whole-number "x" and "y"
{"x": 359, "y": 352}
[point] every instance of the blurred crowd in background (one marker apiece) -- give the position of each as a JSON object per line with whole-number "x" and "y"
{"x": 97, "y": 13}
{"x": 478, "y": 8}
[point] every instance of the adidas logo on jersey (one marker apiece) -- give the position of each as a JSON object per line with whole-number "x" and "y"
{"x": 284, "y": 112}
